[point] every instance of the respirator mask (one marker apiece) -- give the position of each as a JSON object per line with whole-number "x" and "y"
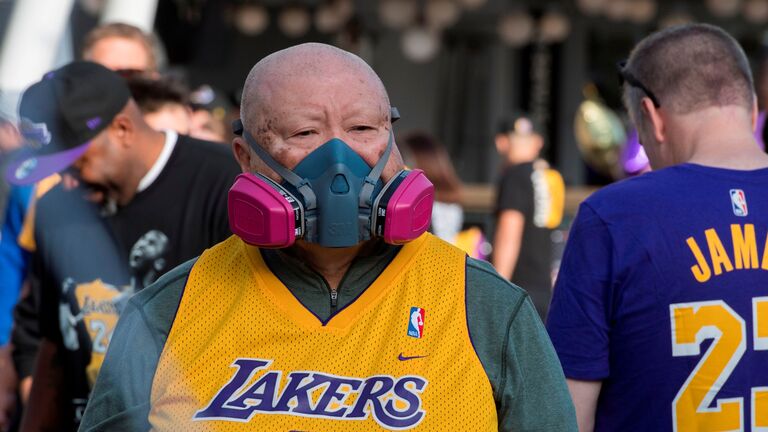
{"x": 332, "y": 198}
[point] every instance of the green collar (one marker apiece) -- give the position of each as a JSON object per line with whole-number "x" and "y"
{"x": 311, "y": 289}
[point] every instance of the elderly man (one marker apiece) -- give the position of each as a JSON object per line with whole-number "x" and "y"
{"x": 147, "y": 201}
{"x": 660, "y": 311}
{"x": 318, "y": 317}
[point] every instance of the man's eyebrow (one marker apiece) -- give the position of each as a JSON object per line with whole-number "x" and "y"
{"x": 306, "y": 113}
{"x": 281, "y": 121}
{"x": 366, "y": 109}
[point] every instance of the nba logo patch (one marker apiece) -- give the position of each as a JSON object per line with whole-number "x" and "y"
{"x": 416, "y": 322}
{"x": 739, "y": 202}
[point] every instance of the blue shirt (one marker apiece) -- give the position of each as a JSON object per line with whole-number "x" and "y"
{"x": 661, "y": 284}
{"x": 13, "y": 259}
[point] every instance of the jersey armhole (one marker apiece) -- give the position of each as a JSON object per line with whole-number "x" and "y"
{"x": 172, "y": 321}
{"x": 496, "y": 392}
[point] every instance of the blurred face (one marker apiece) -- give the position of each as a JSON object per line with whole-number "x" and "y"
{"x": 120, "y": 53}
{"x": 206, "y": 127}
{"x": 170, "y": 116}
{"x": 519, "y": 148}
{"x": 301, "y": 113}
{"x": 99, "y": 167}
{"x": 10, "y": 138}
{"x": 150, "y": 246}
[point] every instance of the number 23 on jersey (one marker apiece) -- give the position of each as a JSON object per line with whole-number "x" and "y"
{"x": 692, "y": 324}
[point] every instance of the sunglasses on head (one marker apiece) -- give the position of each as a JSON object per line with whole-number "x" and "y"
{"x": 132, "y": 73}
{"x": 629, "y": 78}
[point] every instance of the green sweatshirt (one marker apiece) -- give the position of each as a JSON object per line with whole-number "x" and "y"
{"x": 510, "y": 340}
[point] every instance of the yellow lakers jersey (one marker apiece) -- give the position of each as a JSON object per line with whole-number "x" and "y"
{"x": 244, "y": 354}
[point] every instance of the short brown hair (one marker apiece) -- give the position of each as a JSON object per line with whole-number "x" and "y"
{"x": 124, "y": 31}
{"x": 688, "y": 68}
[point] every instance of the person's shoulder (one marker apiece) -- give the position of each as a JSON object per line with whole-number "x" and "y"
{"x": 52, "y": 197}
{"x": 497, "y": 310}
{"x": 206, "y": 155}
{"x": 488, "y": 289}
{"x": 59, "y": 206}
{"x": 635, "y": 194}
{"x": 205, "y": 162}
{"x": 187, "y": 144}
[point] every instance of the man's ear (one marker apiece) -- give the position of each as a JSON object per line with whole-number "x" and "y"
{"x": 242, "y": 152}
{"x": 502, "y": 143}
{"x": 123, "y": 129}
{"x": 657, "y": 122}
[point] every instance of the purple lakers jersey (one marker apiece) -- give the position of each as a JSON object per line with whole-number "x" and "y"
{"x": 663, "y": 296}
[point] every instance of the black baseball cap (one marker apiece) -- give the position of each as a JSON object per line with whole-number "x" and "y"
{"x": 61, "y": 114}
{"x": 518, "y": 122}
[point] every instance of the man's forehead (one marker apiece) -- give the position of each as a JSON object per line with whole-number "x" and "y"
{"x": 318, "y": 109}
{"x": 306, "y": 93}
{"x": 120, "y": 53}
{"x": 342, "y": 85}
{"x": 311, "y": 74}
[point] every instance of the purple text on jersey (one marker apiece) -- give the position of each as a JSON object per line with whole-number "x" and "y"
{"x": 238, "y": 402}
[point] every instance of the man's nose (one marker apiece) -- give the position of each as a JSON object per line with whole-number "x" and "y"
{"x": 78, "y": 164}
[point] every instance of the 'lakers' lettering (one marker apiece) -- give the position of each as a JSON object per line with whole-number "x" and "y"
{"x": 91, "y": 305}
{"x": 743, "y": 254}
{"x": 394, "y": 403}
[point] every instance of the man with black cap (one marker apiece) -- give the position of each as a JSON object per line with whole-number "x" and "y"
{"x": 529, "y": 205}
{"x": 130, "y": 194}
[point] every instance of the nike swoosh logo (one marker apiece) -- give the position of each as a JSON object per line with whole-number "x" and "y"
{"x": 401, "y": 357}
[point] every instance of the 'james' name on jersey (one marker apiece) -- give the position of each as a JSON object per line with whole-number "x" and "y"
{"x": 742, "y": 256}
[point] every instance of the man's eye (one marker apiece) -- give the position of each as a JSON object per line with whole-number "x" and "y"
{"x": 304, "y": 133}
{"x": 361, "y": 128}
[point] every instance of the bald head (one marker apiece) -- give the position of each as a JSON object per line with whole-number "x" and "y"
{"x": 284, "y": 71}
{"x": 297, "y": 99}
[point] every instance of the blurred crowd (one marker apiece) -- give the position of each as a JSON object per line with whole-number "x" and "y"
{"x": 142, "y": 174}
{"x": 166, "y": 103}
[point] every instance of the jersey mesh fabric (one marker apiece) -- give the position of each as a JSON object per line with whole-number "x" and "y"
{"x": 234, "y": 308}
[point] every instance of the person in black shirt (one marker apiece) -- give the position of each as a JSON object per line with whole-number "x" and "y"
{"x": 139, "y": 203}
{"x": 529, "y": 205}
